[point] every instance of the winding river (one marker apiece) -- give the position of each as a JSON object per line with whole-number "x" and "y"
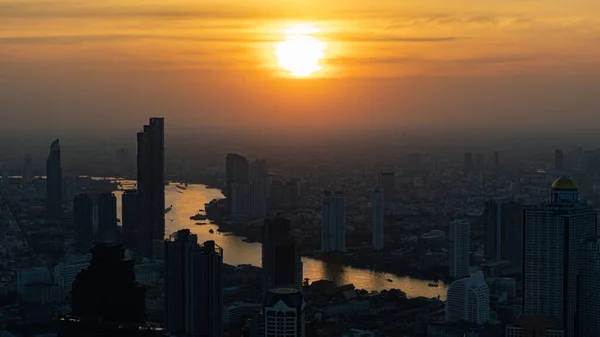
{"x": 235, "y": 251}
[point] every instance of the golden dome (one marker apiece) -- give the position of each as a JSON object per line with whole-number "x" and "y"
{"x": 564, "y": 183}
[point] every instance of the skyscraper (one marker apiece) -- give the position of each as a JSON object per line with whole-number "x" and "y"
{"x": 107, "y": 212}
{"x": 258, "y": 200}
{"x": 83, "y": 220}
{"x": 239, "y": 198}
{"x": 107, "y": 301}
{"x": 468, "y": 163}
{"x": 496, "y": 159}
{"x": 258, "y": 171}
{"x": 468, "y": 300}
{"x": 281, "y": 259}
{"x": 559, "y": 159}
{"x": 459, "y": 248}
{"x": 479, "y": 162}
{"x": 151, "y": 187}
{"x": 284, "y": 313}
{"x": 377, "y": 211}
{"x": 387, "y": 183}
{"x": 26, "y": 171}
{"x": 193, "y": 288}
{"x": 237, "y": 171}
{"x": 589, "y": 289}
{"x": 554, "y": 234}
{"x": 333, "y": 222}
{"x": 54, "y": 181}
{"x": 504, "y": 230}
{"x": 130, "y": 209}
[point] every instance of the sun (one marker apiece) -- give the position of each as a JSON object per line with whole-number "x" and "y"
{"x": 300, "y": 53}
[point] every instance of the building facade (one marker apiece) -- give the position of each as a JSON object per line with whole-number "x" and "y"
{"x": 459, "y": 248}
{"x": 281, "y": 258}
{"x": 131, "y": 216}
{"x": 284, "y": 313}
{"x": 504, "y": 230}
{"x": 333, "y": 222}
{"x": 107, "y": 212}
{"x": 468, "y": 300}
{"x": 377, "y": 213}
{"x": 83, "y": 220}
{"x": 54, "y": 184}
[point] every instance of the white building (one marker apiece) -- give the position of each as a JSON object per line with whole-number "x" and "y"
{"x": 284, "y": 313}
{"x": 333, "y": 222}
{"x": 459, "y": 248}
{"x": 66, "y": 271}
{"x": 377, "y": 209}
{"x": 469, "y": 300}
{"x": 31, "y": 276}
{"x": 554, "y": 234}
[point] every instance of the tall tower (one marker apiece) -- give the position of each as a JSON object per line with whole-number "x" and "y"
{"x": 468, "y": 300}
{"x": 107, "y": 212}
{"x": 151, "y": 187}
{"x": 589, "y": 289}
{"x": 377, "y": 210}
{"x": 333, "y": 222}
{"x": 504, "y": 230}
{"x": 468, "y": 163}
{"x": 237, "y": 171}
{"x": 83, "y": 220}
{"x": 459, "y": 248}
{"x": 131, "y": 216}
{"x": 26, "y": 172}
{"x": 554, "y": 234}
{"x": 496, "y": 159}
{"x": 281, "y": 259}
{"x": 54, "y": 181}
{"x": 284, "y": 313}
{"x": 193, "y": 288}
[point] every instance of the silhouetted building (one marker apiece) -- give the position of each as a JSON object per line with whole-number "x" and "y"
{"x": 534, "y": 326}
{"x": 26, "y": 171}
{"x": 281, "y": 259}
{"x": 576, "y": 157}
{"x": 258, "y": 171}
{"x": 237, "y": 171}
{"x": 459, "y": 248}
{"x": 496, "y": 159}
{"x": 240, "y": 198}
{"x": 504, "y": 230}
{"x": 83, "y": 220}
{"x": 468, "y": 163}
{"x": 284, "y": 313}
{"x": 387, "y": 183}
{"x": 377, "y": 212}
{"x": 554, "y": 234}
{"x": 131, "y": 218}
{"x": 333, "y": 222}
{"x": 559, "y": 159}
{"x": 589, "y": 290}
{"x": 479, "y": 162}
{"x": 107, "y": 212}
{"x": 54, "y": 184}
{"x": 193, "y": 288}
{"x": 107, "y": 301}
{"x": 283, "y": 195}
{"x": 151, "y": 188}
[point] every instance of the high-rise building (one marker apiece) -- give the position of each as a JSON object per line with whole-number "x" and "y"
{"x": 468, "y": 300}
{"x": 106, "y": 299}
{"x": 54, "y": 181}
{"x": 151, "y": 187}
{"x": 107, "y": 212}
{"x": 554, "y": 234}
{"x": 26, "y": 171}
{"x": 496, "y": 159}
{"x": 468, "y": 163}
{"x": 130, "y": 209}
{"x": 83, "y": 220}
{"x": 66, "y": 271}
{"x": 589, "y": 289}
{"x": 237, "y": 170}
{"x": 387, "y": 183}
{"x": 239, "y": 198}
{"x": 283, "y": 195}
{"x": 377, "y": 211}
{"x": 193, "y": 288}
{"x": 559, "y": 159}
{"x": 258, "y": 171}
{"x": 534, "y": 326}
{"x": 459, "y": 248}
{"x": 284, "y": 313}
{"x": 504, "y": 230}
{"x": 333, "y": 222}
{"x": 69, "y": 188}
{"x": 576, "y": 157}
{"x": 281, "y": 259}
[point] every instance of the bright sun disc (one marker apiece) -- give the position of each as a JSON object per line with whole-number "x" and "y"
{"x": 300, "y": 53}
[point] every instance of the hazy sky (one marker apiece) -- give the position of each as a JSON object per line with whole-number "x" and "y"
{"x": 389, "y": 64}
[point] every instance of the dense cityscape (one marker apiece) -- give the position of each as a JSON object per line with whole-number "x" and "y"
{"x": 430, "y": 245}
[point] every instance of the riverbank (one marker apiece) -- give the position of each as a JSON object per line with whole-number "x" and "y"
{"x": 368, "y": 259}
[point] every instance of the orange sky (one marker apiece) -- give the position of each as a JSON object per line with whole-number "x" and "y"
{"x": 387, "y": 62}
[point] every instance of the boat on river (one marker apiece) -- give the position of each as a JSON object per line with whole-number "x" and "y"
{"x": 168, "y": 209}
{"x": 390, "y": 280}
{"x": 199, "y": 217}
{"x": 433, "y": 285}
{"x": 211, "y": 231}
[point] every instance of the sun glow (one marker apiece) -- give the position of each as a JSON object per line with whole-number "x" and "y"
{"x": 301, "y": 52}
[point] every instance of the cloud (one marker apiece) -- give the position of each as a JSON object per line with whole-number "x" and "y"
{"x": 361, "y": 37}
{"x": 82, "y": 39}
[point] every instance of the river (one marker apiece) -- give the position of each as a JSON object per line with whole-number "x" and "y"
{"x": 235, "y": 251}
